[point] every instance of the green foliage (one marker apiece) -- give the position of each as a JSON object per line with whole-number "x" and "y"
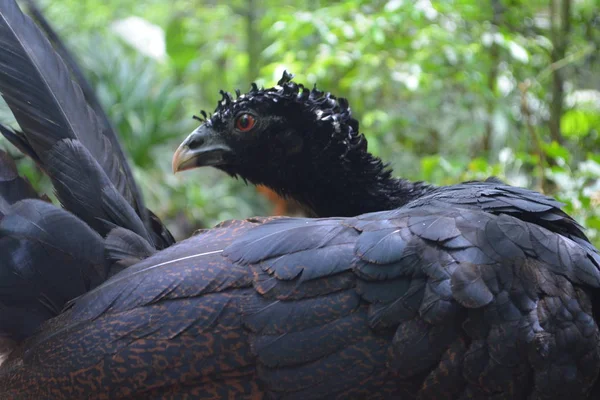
{"x": 446, "y": 90}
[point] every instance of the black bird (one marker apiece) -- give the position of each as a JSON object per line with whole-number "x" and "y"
{"x": 301, "y": 143}
{"x": 304, "y": 144}
{"x": 428, "y": 300}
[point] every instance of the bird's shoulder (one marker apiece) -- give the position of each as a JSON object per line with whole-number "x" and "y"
{"x": 495, "y": 197}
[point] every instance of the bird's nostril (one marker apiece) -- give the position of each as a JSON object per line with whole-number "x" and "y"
{"x": 195, "y": 142}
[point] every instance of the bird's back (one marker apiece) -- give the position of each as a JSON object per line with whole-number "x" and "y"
{"x": 384, "y": 305}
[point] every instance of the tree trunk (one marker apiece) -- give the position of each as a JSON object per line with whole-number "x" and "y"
{"x": 560, "y": 18}
{"x": 492, "y": 77}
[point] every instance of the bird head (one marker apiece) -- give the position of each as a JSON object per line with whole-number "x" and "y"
{"x": 283, "y": 137}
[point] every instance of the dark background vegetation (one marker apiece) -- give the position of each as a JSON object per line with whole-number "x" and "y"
{"x": 445, "y": 90}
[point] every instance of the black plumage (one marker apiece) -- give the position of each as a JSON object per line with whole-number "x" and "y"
{"x": 81, "y": 155}
{"x": 12, "y": 187}
{"x": 55, "y": 118}
{"x": 477, "y": 290}
{"x": 238, "y": 318}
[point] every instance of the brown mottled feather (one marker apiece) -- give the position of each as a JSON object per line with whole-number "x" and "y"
{"x": 194, "y": 320}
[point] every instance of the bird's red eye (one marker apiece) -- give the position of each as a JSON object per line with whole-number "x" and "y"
{"x": 245, "y": 122}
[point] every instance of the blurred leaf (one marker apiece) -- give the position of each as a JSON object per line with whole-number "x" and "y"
{"x": 579, "y": 123}
{"x": 555, "y": 150}
{"x": 179, "y": 49}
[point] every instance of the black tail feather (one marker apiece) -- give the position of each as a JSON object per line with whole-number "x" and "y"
{"x": 47, "y": 104}
{"x": 19, "y": 140}
{"x": 125, "y": 248}
{"x": 51, "y": 255}
{"x": 49, "y": 258}
{"x": 84, "y": 189}
{"x": 51, "y": 109}
{"x": 90, "y": 95}
{"x": 12, "y": 187}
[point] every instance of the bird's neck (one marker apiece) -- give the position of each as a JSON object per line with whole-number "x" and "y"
{"x": 335, "y": 200}
{"x": 365, "y": 186}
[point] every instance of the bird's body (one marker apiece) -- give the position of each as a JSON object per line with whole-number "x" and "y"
{"x": 471, "y": 291}
{"x": 391, "y": 305}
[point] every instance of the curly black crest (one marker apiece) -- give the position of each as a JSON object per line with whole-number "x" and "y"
{"x": 325, "y": 107}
